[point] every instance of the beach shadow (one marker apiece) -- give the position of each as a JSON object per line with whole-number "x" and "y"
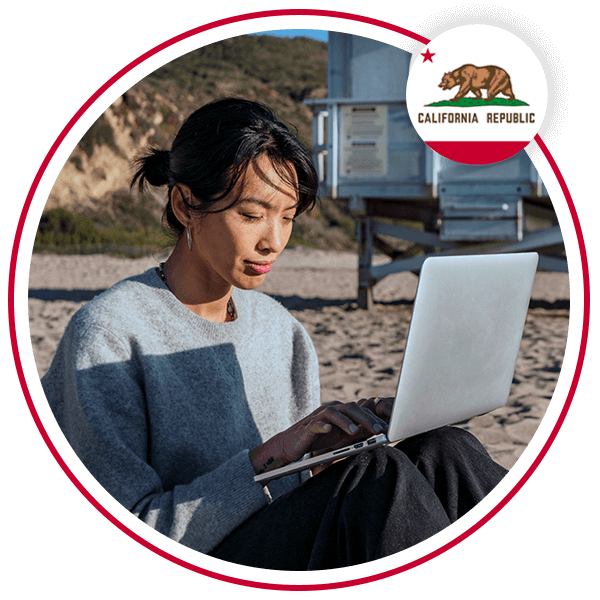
{"x": 556, "y": 305}
{"x": 299, "y": 304}
{"x": 51, "y": 295}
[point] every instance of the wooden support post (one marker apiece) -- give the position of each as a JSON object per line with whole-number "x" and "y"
{"x": 365, "y": 258}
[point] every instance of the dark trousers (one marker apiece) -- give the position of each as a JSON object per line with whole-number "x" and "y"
{"x": 368, "y": 506}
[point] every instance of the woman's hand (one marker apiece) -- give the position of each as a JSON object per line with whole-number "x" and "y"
{"x": 330, "y": 426}
{"x": 382, "y": 407}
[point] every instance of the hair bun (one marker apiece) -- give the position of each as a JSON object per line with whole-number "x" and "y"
{"x": 153, "y": 168}
{"x": 157, "y": 167}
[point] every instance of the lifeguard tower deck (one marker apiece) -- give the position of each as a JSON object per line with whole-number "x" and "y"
{"x": 368, "y": 154}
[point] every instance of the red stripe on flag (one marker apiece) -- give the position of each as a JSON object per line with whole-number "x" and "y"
{"x": 477, "y": 153}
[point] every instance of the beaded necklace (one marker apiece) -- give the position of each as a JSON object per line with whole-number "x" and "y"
{"x": 230, "y": 310}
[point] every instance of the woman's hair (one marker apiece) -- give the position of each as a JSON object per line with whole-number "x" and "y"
{"x": 212, "y": 150}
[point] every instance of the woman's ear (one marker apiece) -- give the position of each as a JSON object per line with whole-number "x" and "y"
{"x": 180, "y": 194}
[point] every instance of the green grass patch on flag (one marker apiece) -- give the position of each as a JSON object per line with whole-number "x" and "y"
{"x": 471, "y": 102}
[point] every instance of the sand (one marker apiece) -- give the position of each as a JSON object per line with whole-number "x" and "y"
{"x": 359, "y": 351}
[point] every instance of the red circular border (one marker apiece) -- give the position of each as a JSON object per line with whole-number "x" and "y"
{"x": 16, "y": 355}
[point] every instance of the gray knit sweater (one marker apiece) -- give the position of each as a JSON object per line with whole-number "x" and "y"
{"x": 162, "y": 406}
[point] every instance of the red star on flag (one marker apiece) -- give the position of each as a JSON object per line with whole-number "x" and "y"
{"x": 428, "y": 55}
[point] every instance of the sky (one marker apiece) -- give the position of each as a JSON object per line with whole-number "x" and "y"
{"x": 316, "y": 34}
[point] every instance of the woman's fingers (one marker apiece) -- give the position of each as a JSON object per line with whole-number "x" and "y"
{"x": 352, "y": 418}
{"x": 319, "y": 427}
{"x": 366, "y": 418}
{"x": 330, "y": 426}
{"x": 382, "y": 407}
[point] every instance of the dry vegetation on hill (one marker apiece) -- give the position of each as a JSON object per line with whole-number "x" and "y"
{"x": 94, "y": 183}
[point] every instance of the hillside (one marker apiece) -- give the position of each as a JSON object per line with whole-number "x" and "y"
{"x": 280, "y": 72}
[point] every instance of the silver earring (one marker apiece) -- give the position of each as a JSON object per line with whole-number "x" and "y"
{"x": 189, "y": 237}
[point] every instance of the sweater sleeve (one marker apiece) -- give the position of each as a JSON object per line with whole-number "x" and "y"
{"x": 96, "y": 393}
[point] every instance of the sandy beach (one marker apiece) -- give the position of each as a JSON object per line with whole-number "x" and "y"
{"x": 360, "y": 352}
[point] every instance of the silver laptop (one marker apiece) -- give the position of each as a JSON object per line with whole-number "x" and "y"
{"x": 461, "y": 350}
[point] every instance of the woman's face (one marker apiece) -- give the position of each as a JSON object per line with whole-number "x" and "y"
{"x": 237, "y": 246}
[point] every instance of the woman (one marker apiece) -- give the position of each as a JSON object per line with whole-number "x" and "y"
{"x": 177, "y": 386}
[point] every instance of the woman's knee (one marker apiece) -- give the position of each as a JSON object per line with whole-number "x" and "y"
{"x": 384, "y": 459}
{"x": 402, "y": 458}
{"x": 439, "y": 445}
{"x": 443, "y": 435}
{"x": 441, "y": 441}
{"x": 375, "y": 472}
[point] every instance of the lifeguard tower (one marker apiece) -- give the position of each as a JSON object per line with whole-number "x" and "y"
{"x": 368, "y": 153}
